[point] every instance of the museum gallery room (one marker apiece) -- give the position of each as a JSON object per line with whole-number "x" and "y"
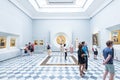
{"x": 59, "y": 40}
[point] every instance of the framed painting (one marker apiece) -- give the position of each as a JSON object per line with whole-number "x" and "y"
{"x": 95, "y": 39}
{"x": 12, "y": 42}
{"x": 115, "y": 36}
{"x": 41, "y": 42}
{"x": 61, "y": 39}
{"x": 2, "y": 42}
{"x": 35, "y": 42}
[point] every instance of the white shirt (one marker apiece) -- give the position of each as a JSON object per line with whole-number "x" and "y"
{"x": 65, "y": 49}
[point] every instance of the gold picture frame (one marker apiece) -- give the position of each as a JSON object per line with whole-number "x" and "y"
{"x": 12, "y": 42}
{"x": 35, "y": 42}
{"x": 115, "y": 36}
{"x": 95, "y": 39}
{"x": 41, "y": 42}
{"x": 61, "y": 39}
{"x": 2, "y": 42}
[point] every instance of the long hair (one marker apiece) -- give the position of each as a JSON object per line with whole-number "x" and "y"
{"x": 80, "y": 47}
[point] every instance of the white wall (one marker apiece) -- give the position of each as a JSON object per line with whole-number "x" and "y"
{"x": 108, "y": 17}
{"x": 43, "y": 29}
{"x": 13, "y": 20}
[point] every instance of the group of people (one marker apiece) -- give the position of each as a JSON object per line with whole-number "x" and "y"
{"x": 29, "y": 48}
{"x": 108, "y": 55}
{"x": 64, "y": 49}
{"x": 83, "y": 55}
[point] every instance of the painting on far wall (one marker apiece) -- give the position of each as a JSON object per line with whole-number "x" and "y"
{"x": 115, "y": 36}
{"x": 61, "y": 39}
{"x": 2, "y": 42}
{"x": 35, "y": 42}
{"x": 41, "y": 42}
{"x": 12, "y": 42}
{"x": 95, "y": 39}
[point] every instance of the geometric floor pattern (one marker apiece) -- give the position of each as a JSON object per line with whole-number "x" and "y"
{"x": 60, "y": 60}
{"x": 28, "y": 68}
{"x": 56, "y": 59}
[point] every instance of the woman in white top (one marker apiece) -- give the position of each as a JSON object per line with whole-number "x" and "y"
{"x": 95, "y": 51}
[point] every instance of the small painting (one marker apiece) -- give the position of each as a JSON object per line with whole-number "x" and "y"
{"x": 12, "y": 42}
{"x": 2, "y": 42}
{"x": 115, "y": 36}
{"x": 95, "y": 39}
{"x": 35, "y": 42}
{"x": 41, "y": 42}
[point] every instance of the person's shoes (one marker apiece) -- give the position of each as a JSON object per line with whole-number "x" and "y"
{"x": 83, "y": 73}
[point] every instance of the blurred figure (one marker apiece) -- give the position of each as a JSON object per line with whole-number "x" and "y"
{"x": 71, "y": 48}
{"x": 65, "y": 51}
{"x": 26, "y": 49}
{"x": 33, "y": 46}
{"x": 61, "y": 48}
{"x": 95, "y": 51}
{"x": 30, "y": 48}
{"x": 48, "y": 49}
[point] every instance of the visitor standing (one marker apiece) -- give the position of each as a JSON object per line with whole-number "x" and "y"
{"x": 95, "y": 51}
{"x": 48, "y": 49}
{"x": 30, "y": 48}
{"x": 65, "y": 51}
{"x": 85, "y": 49}
{"x": 108, "y": 54}
{"x": 71, "y": 48}
{"x": 81, "y": 60}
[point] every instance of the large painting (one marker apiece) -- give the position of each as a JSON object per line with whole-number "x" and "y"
{"x": 2, "y": 42}
{"x": 115, "y": 36}
{"x": 12, "y": 42}
{"x": 61, "y": 39}
{"x": 95, "y": 39}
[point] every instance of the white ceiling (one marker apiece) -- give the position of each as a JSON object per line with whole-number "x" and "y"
{"x": 61, "y": 9}
{"x": 60, "y": 1}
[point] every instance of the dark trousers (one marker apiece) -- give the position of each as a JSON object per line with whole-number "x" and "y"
{"x": 86, "y": 62}
{"x": 65, "y": 55}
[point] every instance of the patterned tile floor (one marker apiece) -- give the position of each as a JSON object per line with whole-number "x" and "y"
{"x": 28, "y": 68}
{"x": 60, "y": 60}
